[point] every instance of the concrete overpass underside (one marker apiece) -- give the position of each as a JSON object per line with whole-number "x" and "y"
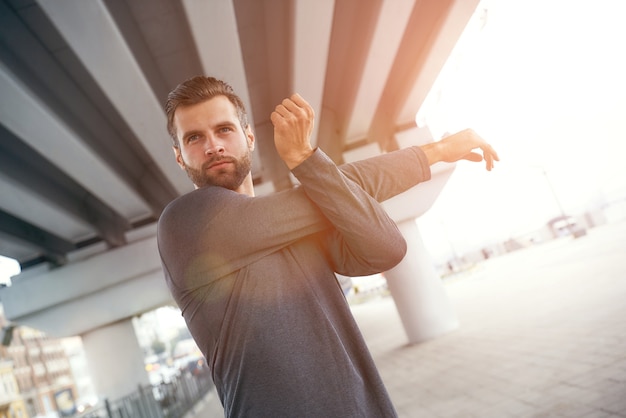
{"x": 86, "y": 165}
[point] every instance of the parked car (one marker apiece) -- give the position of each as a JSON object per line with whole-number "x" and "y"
{"x": 197, "y": 367}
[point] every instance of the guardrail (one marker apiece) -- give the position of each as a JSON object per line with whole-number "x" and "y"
{"x": 172, "y": 399}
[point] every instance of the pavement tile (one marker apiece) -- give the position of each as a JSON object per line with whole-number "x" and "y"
{"x": 542, "y": 334}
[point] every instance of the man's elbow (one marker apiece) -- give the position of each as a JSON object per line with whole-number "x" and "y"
{"x": 395, "y": 253}
{"x": 400, "y": 252}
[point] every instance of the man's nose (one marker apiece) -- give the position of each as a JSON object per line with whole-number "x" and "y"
{"x": 213, "y": 147}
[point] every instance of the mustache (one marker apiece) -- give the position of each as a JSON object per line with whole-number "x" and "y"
{"x": 217, "y": 159}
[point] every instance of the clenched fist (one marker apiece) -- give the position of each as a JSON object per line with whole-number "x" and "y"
{"x": 293, "y": 121}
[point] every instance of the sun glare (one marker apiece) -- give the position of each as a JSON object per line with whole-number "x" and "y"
{"x": 542, "y": 81}
{"x": 8, "y": 268}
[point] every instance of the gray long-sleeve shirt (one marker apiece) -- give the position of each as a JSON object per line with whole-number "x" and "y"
{"x": 254, "y": 278}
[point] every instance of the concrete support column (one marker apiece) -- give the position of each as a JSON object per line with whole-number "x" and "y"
{"x": 115, "y": 359}
{"x": 423, "y": 305}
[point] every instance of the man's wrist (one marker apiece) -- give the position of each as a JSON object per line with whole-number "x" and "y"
{"x": 295, "y": 160}
{"x": 432, "y": 152}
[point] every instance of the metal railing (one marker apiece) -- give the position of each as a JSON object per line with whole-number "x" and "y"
{"x": 172, "y": 399}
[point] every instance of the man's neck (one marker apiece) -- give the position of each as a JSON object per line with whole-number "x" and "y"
{"x": 247, "y": 187}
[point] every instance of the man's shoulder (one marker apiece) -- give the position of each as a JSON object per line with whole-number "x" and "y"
{"x": 203, "y": 198}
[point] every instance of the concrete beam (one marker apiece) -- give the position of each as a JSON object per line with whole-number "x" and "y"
{"x": 312, "y": 30}
{"x": 455, "y": 21}
{"x": 392, "y": 21}
{"x": 87, "y": 23}
{"x": 90, "y": 293}
{"x": 62, "y": 147}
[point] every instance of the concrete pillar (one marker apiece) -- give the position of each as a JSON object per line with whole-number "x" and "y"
{"x": 421, "y": 300}
{"x": 419, "y": 295}
{"x": 115, "y": 359}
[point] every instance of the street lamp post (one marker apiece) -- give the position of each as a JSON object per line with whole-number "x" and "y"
{"x": 556, "y": 198}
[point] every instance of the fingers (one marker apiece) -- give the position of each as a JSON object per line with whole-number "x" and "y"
{"x": 467, "y": 141}
{"x": 488, "y": 149}
{"x": 294, "y": 106}
{"x": 490, "y": 155}
{"x": 298, "y": 101}
{"x": 473, "y": 156}
{"x": 488, "y": 162}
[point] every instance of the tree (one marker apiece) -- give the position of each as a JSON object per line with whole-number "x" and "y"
{"x": 158, "y": 346}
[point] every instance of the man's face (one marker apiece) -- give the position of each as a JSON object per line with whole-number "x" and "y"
{"x": 213, "y": 148}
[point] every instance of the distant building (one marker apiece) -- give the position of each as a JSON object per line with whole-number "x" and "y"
{"x": 41, "y": 370}
{"x": 11, "y": 402}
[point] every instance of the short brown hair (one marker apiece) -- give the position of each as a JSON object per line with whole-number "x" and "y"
{"x": 197, "y": 90}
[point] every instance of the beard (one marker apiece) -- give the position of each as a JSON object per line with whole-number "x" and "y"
{"x": 230, "y": 177}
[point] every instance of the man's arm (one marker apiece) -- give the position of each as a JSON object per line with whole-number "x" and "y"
{"x": 364, "y": 240}
{"x": 387, "y": 175}
{"x": 383, "y": 176}
{"x": 379, "y": 177}
{"x": 212, "y": 232}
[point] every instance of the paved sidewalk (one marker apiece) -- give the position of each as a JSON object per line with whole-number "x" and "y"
{"x": 208, "y": 407}
{"x": 543, "y": 334}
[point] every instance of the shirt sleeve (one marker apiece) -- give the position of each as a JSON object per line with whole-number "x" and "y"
{"x": 364, "y": 240}
{"x": 388, "y": 175}
{"x": 212, "y": 232}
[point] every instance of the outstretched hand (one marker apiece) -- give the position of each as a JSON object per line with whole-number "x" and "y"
{"x": 461, "y": 146}
{"x": 293, "y": 122}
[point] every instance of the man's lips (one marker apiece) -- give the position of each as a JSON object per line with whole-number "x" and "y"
{"x": 217, "y": 164}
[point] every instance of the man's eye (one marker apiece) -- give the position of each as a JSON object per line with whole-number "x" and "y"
{"x": 226, "y": 129}
{"x": 192, "y": 138}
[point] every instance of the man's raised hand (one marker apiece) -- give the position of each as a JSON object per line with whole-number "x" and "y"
{"x": 461, "y": 146}
{"x": 293, "y": 121}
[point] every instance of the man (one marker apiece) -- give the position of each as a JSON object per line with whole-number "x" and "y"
{"x": 254, "y": 276}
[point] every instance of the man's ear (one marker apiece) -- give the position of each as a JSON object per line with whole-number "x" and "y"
{"x": 250, "y": 137}
{"x": 179, "y": 158}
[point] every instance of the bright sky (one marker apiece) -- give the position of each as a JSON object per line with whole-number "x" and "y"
{"x": 543, "y": 81}
{"x": 8, "y": 268}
